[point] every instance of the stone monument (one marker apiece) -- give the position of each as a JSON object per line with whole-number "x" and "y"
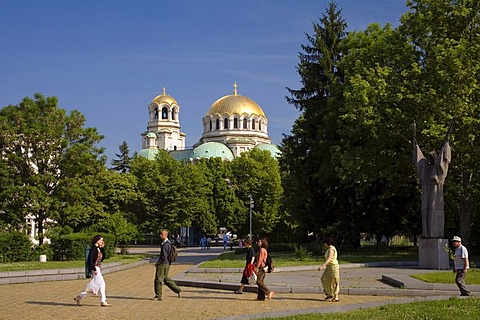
{"x": 432, "y": 171}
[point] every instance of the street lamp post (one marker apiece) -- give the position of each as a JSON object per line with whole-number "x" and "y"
{"x": 251, "y": 208}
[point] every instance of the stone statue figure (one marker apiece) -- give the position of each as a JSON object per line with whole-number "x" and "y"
{"x": 432, "y": 172}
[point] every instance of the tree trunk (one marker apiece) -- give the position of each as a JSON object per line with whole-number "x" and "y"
{"x": 465, "y": 210}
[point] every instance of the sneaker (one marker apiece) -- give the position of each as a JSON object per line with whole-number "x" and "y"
{"x": 180, "y": 294}
{"x": 78, "y": 299}
{"x": 105, "y": 304}
{"x": 156, "y": 298}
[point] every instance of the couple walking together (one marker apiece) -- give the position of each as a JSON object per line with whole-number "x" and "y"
{"x": 256, "y": 264}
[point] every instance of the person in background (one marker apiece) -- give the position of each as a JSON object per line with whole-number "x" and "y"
{"x": 203, "y": 242}
{"x": 209, "y": 242}
{"x": 162, "y": 268}
{"x": 178, "y": 241}
{"x": 260, "y": 264}
{"x": 461, "y": 265}
{"x": 331, "y": 275}
{"x": 97, "y": 284}
{"x": 249, "y": 266}
{"x": 225, "y": 241}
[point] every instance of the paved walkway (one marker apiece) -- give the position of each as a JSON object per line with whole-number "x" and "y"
{"x": 130, "y": 292}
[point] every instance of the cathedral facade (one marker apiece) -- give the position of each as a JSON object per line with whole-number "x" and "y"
{"x": 233, "y": 124}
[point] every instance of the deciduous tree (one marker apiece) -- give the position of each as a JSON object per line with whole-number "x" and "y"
{"x": 45, "y": 153}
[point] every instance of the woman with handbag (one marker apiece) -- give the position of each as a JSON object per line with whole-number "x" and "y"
{"x": 249, "y": 266}
{"x": 97, "y": 284}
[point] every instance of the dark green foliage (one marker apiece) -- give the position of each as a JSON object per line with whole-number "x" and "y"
{"x": 44, "y": 249}
{"x": 72, "y": 246}
{"x": 122, "y": 163}
{"x": 15, "y": 246}
{"x": 314, "y": 200}
{"x": 278, "y": 247}
{"x": 347, "y": 165}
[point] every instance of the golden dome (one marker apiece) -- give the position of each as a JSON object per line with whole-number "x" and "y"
{"x": 164, "y": 98}
{"x": 235, "y": 104}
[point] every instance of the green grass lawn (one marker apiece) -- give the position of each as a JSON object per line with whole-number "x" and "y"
{"x": 452, "y": 309}
{"x": 35, "y": 265}
{"x": 473, "y": 277}
{"x": 362, "y": 255}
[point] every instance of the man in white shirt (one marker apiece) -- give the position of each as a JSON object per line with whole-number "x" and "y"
{"x": 461, "y": 265}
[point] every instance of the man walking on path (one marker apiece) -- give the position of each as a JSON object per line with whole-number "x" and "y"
{"x": 162, "y": 268}
{"x": 461, "y": 265}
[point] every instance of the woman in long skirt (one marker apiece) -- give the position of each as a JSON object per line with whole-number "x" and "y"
{"x": 331, "y": 275}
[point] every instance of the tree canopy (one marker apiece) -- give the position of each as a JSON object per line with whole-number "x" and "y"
{"x": 355, "y": 154}
{"x": 48, "y": 161}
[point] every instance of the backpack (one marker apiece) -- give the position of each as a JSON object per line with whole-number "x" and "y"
{"x": 269, "y": 264}
{"x": 88, "y": 273}
{"x": 173, "y": 253}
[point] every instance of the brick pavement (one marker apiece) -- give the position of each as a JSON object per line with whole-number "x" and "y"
{"x": 130, "y": 292}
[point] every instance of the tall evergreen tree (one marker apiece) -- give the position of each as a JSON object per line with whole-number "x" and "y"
{"x": 122, "y": 163}
{"x": 306, "y": 160}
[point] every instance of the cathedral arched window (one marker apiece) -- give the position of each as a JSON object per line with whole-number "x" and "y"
{"x": 173, "y": 114}
{"x": 225, "y": 123}
{"x": 245, "y": 123}
{"x": 211, "y": 125}
{"x": 235, "y": 123}
{"x": 260, "y": 125}
{"x": 164, "y": 113}
{"x": 217, "y": 125}
{"x": 253, "y": 124}
{"x": 156, "y": 114}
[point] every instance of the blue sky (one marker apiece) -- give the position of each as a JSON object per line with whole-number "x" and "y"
{"x": 109, "y": 59}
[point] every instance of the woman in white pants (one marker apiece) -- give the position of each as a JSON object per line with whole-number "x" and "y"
{"x": 97, "y": 284}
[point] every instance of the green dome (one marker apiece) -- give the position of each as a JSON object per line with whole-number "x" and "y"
{"x": 213, "y": 150}
{"x": 181, "y": 154}
{"x": 273, "y": 149}
{"x": 148, "y": 153}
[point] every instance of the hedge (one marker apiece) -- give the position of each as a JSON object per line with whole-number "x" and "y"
{"x": 72, "y": 246}
{"x": 15, "y": 246}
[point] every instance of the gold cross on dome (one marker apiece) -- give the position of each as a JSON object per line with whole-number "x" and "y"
{"x": 164, "y": 91}
{"x": 235, "y": 88}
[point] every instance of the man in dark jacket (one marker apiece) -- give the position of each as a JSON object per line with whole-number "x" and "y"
{"x": 162, "y": 268}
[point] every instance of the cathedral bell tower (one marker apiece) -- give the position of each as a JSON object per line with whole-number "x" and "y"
{"x": 163, "y": 127}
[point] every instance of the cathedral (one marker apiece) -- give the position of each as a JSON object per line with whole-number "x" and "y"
{"x": 233, "y": 124}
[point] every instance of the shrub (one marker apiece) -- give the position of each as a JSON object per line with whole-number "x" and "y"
{"x": 15, "y": 246}
{"x": 45, "y": 249}
{"x": 72, "y": 246}
{"x": 301, "y": 252}
{"x": 278, "y": 247}
{"x": 315, "y": 248}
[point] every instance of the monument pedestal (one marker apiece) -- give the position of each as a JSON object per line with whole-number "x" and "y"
{"x": 433, "y": 254}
